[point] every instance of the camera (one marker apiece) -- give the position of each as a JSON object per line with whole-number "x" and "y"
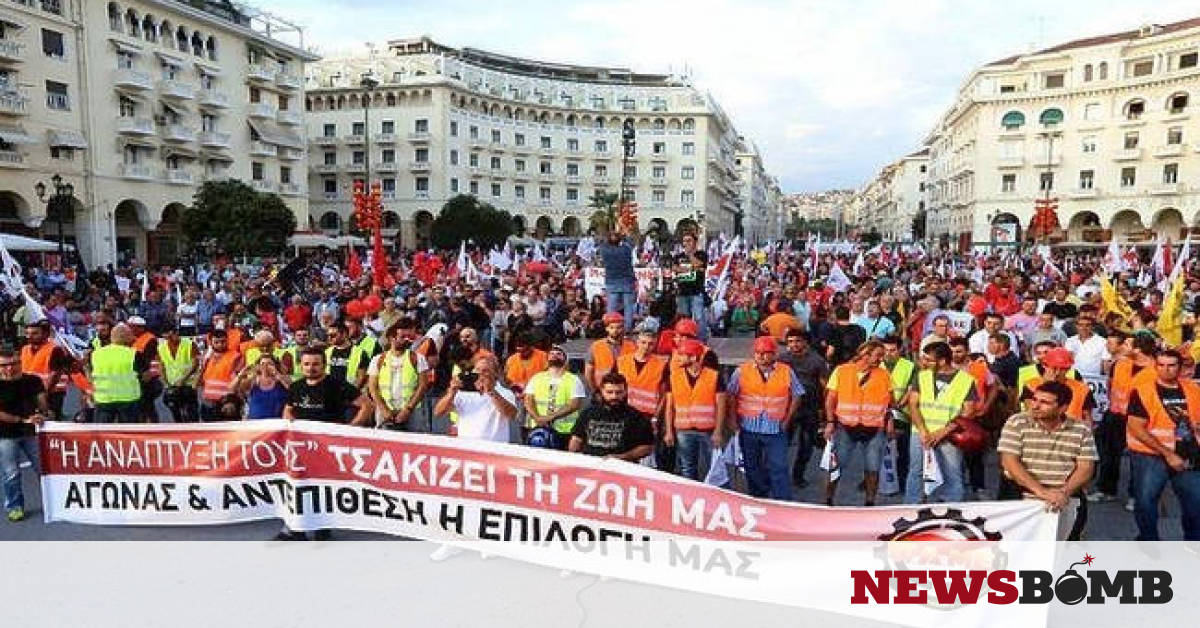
{"x": 468, "y": 380}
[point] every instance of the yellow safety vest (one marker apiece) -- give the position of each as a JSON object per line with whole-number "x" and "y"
{"x": 539, "y": 386}
{"x": 901, "y": 373}
{"x": 454, "y": 415}
{"x": 408, "y": 380}
{"x": 174, "y": 368}
{"x": 356, "y": 356}
{"x": 254, "y": 353}
{"x": 367, "y": 344}
{"x": 113, "y": 375}
{"x": 939, "y": 409}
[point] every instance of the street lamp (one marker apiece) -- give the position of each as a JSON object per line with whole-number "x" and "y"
{"x": 368, "y": 83}
{"x": 62, "y": 194}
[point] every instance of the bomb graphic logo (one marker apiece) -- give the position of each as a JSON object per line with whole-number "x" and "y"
{"x": 1071, "y": 588}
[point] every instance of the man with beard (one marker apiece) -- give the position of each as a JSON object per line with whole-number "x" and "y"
{"x": 612, "y": 428}
{"x": 397, "y": 379}
{"x": 554, "y": 396}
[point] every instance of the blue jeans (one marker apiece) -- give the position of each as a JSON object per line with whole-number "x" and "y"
{"x": 1150, "y": 476}
{"x": 692, "y": 306}
{"x": 766, "y": 465}
{"x": 626, "y": 294}
{"x": 123, "y": 412}
{"x": 693, "y": 453}
{"x": 844, "y": 444}
{"x": 949, "y": 458}
{"x": 10, "y": 467}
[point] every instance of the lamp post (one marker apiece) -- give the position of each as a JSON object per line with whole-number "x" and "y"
{"x": 1049, "y": 136}
{"x": 62, "y": 194}
{"x": 368, "y": 83}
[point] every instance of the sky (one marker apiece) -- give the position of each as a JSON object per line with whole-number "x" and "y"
{"x": 829, "y": 91}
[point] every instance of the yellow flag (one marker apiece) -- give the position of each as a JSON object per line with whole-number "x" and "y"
{"x": 1170, "y": 320}
{"x": 1113, "y": 301}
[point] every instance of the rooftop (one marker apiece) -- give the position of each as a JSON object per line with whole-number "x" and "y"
{"x": 1148, "y": 30}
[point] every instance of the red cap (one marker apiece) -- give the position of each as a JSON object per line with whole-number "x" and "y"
{"x": 687, "y": 327}
{"x": 692, "y": 347}
{"x": 765, "y": 344}
{"x": 613, "y": 317}
{"x": 1059, "y": 358}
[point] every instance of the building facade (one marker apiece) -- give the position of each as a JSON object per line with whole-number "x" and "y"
{"x": 1105, "y": 125}
{"x": 135, "y": 104}
{"x": 536, "y": 139}
{"x": 757, "y": 195}
{"x": 891, "y": 201}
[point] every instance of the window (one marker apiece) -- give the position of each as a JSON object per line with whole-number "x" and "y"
{"x": 598, "y": 103}
{"x": 600, "y": 192}
{"x": 687, "y": 173}
{"x": 256, "y": 171}
{"x": 572, "y": 169}
{"x": 601, "y": 171}
{"x": 388, "y": 186}
{"x": 495, "y": 136}
{"x": 474, "y": 187}
{"x": 1054, "y": 80}
{"x": 627, "y": 104}
{"x": 453, "y": 158}
{"x": 330, "y": 130}
{"x": 519, "y": 192}
{"x": 631, "y": 170}
{"x": 208, "y": 122}
{"x": 358, "y": 128}
{"x": 330, "y": 186}
{"x": 454, "y": 185}
{"x": 330, "y": 158}
{"x": 660, "y": 148}
{"x": 52, "y": 44}
{"x": 659, "y": 172}
{"x": 388, "y": 127}
{"x": 56, "y": 96}
{"x": 474, "y": 132}
{"x": 689, "y": 148}
{"x": 65, "y": 153}
{"x": 1087, "y": 72}
{"x": 544, "y": 194}
{"x": 1175, "y": 135}
{"x": 453, "y": 128}
{"x": 473, "y": 160}
{"x": 1091, "y": 111}
{"x": 124, "y": 60}
{"x": 285, "y": 174}
{"x": 573, "y": 145}
{"x": 495, "y": 163}
{"x": 1178, "y": 103}
{"x": 358, "y": 157}
{"x": 519, "y": 139}
{"x": 1170, "y": 173}
{"x": 169, "y": 73}
{"x": 687, "y": 198}
{"x": 1187, "y": 60}
{"x": 601, "y": 146}
{"x": 1008, "y": 183}
{"x": 495, "y": 190}
{"x": 599, "y": 124}
{"x": 1143, "y": 68}
{"x": 389, "y": 155}
{"x": 544, "y": 167}
{"x": 1051, "y": 116}
{"x": 1134, "y": 109}
{"x": 1013, "y": 120}
{"x": 422, "y": 184}
{"x": 1088, "y": 144}
{"x": 1102, "y": 71}
{"x": 1086, "y": 179}
{"x": 1046, "y": 181}
{"x": 545, "y": 142}
{"x": 421, "y": 125}
{"x": 519, "y": 164}
{"x": 572, "y": 194}
{"x": 658, "y": 196}
{"x": 1128, "y": 177}
{"x": 1131, "y": 140}
{"x": 128, "y": 107}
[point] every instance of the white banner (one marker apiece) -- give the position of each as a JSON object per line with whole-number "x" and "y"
{"x": 1098, "y": 384}
{"x": 648, "y": 280}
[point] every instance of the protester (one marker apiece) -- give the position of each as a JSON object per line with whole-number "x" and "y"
{"x": 857, "y": 399}
{"x": 764, "y": 397}
{"x": 23, "y": 407}
{"x": 612, "y": 428}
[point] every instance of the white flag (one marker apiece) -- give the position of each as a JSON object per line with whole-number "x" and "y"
{"x": 145, "y": 283}
{"x": 830, "y": 462}
{"x": 1184, "y": 254}
{"x": 499, "y": 260}
{"x": 837, "y": 278}
{"x": 11, "y": 278}
{"x": 858, "y": 264}
{"x": 1113, "y": 262}
{"x": 586, "y": 249}
{"x": 538, "y": 254}
{"x": 1158, "y": 262}
{"x": 461, "y": 264}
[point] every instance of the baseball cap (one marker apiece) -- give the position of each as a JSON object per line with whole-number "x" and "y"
{"x": 692, "y": 347}
{"x": 1059, "y": 358}
{"x": 687, "y": 327}
{"x": 613, "y": 317}
{"x": 765, "y": 344}
{"x": 136, "y": 320}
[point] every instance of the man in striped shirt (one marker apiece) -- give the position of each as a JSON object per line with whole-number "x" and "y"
{"x": 1048, "y": 455}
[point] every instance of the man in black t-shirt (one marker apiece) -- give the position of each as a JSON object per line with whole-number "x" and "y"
{"x": 690, "y": 268}
{"x": 23, "y": 406}
{"x": 612, "y": 428}
{"x": 846, "y": 338}
{"x": 321, "y": 397}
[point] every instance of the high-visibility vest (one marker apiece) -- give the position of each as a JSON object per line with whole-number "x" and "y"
{"x": 519, "y": 371}
{"x": 454, "y": 371}
{"x": 645, "y": 385}
{"x": 356, "y": 357}
{"x": 294, "y": 351}
{"x": 142, "y": 341}
{"x": 758, "y": 396}
{"x": 1079, "y": 393}
{"x": 367, "y": 345}
{"x": 408, "y": 380}
{"x": 218, "y": 376}
{"x": 1159, "y": 423}
{"x": 177, "y": 366}
{"x": 254, "y": 353}
{"x": 864, "y": 404}
{"x": 604, "y": 359}
{"x": 1030, "y": 371}
{"x": 901, "y": 374}
{"x": 113, "y": 375}
{"x": 539, "y": 387}
{"x": 978, "y": 370}
{"x": 1124, "y": 382}
{"x": 38, "y": 363}
{"x": 938, "y": 410}
{"x": 97, "y": 343}
{"x": 695, "y": 405}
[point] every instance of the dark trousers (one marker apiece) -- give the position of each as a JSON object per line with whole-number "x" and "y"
{"x": 1081, "y": 517}
{"x": 55, "y": 400}
{"x": 1110, "y": 443}
{"x": 903, "y": 436}
{"x": 804, "y": 435}
{"x": 181, "y": 401}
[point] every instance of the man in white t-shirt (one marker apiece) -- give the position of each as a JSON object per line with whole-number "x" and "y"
{"x": 1091, "y": 351}
{"x": 484, "y": 407}
{"x": 992, "y": 324}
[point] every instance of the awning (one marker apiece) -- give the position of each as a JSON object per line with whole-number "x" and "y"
{"x": 272, "y": 133}
{"x": 216, "y": 156}
{"x": 139, "y": 142}
{"x": 15, "y": 134}
{"x": 179, "y": 151}
{"x": 176, "y": 109}
{"x": 170, "y": 59}
{"x": 126, "y": 47}
{"x": 67, "y": 139}
{"x": 314, "y": 240}
{"x": 210, "y": 70}
{"x": 14, "y": 242}
{"x": 4, "y": 19}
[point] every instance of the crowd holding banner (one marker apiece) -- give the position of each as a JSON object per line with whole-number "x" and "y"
{"x": 928, "y": 366}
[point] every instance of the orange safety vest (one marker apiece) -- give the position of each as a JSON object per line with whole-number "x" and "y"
{"x": 603, "y": 358}
{"x": 769, "y": 396}
{"x": 39, "y": 364}
{"x": 1124, "y": 382}
{"x": 518, "y": 371}
{"x": 979, "y": 370}
{"x": 139, "y": 345}
{"x": 644, "y": 385}
{"x": 1079, "y": 393}
{"x": 864, "y": 404}
{"x": 218, "y": 376}
{"x": 695, "y": 406}
{"x": 1159, "y": 424}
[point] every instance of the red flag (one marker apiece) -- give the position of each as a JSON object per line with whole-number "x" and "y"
{"x": 354, "y": 265}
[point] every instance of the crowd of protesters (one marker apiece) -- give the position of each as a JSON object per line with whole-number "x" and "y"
{"x": 928, "y": 367}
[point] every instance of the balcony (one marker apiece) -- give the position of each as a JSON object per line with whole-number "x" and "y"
{"x": 1082, "y": 193}
{"x": 497, "y": 173}
{"x": 423, "y": 166}
{"x": 140, "y": 172}
{"x": 289, "y": 118}
{"x": 135, "y": 126}
{"x": 355, "y": 139}
{"x": 288, "y": 81}
{"x": 603, "y": 154}
{"x": 177, "y": 90}
{"x": 261, "y": 73}
{"x": 291, "y": 189}
{"x": 263, "y": 185}
{"x": 601, "y": 179}
{"x": 631, "y": 181}
{"x": 521, "y": 149}
{"x": 213, "y": 98}
{"x": 422, "y": 137}
{"x": 1167, "y": 189}
{"x": 660, "y": 157}
{"x": 11, "y": 159}
{"x": 658, "y": 181}
{"x": 573, "y": 154}
{"x": 547, "y": 177}
{"x": 178, "y": 133}
{"x": 521, "y": 175}
{"x": 1044, "y": 160}
{"x": 11, "y": 50}
{"x": 355, "y": 167}
{"x": 325, "y": 168}
{"x": 1127, "y": 154}
{"x": 573, "y": 178}
{"x": 474, "y": 142}
{"x": 386, "y": 166}
{"x": 132, "y": 79}
{"x": 421, "y": 194}
{"x": 213, "y": 139}
{"x": 548, "y": 151}
{"x": 1169, "y": 150}
{"x": 325, "y": 140}
{"x": 545, "y": 202}
{"x": 385, "y": 138}
{"x": 332, "y": 196}
{"x": 290, "y": 154}
{"x": 219, "y": 173}
{"x": 388, "y": 195}
{"x": 1005, "y": 163}
{"x": 176, "y": 176}
{"x": 13, "y": 103}
{"x": 475, "y": 172}
{"x": 498, "y": 147}
{"x": 263, "y": 149}
{"x": 261, "y": 110}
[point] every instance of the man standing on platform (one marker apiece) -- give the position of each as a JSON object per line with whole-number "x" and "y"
{"x": 690, "y": 268}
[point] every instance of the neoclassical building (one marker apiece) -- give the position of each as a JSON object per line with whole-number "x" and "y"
{"x": 1105, "y": 124}
{"x": 537, "y": 139}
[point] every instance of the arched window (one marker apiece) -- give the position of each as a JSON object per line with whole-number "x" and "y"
{"x": 1178, "y": 102}
{"x": 164, "y": 33}
{"x": 1134, "y": 109}
{"x": 1102, "y": 71}
{"x": 211, "y": 46}
{"x": 197, "y": 44}
{"x": 1013, "y": 120}
{"x": 1087, "y": 72}
{"x": 390, "y": 99}
{"x": 689, "y": 125}
{"x": 330, "y": 220}
{"x": 1051, "y": 116}
{"x": 660, "y": 124}
{"x": 150, "y": 28}
{"x": 181, "y": 39}
{"x": 132, "y": 24}
{"x": 114, "y": 17}
{"x": 599, "y": 123}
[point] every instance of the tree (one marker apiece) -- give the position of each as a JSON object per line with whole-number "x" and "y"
{"x": 465, "y": 218}
{"x": 871, "y": 238}
{"x": 232, "y": 217}
{"x": 605, "y": 215}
